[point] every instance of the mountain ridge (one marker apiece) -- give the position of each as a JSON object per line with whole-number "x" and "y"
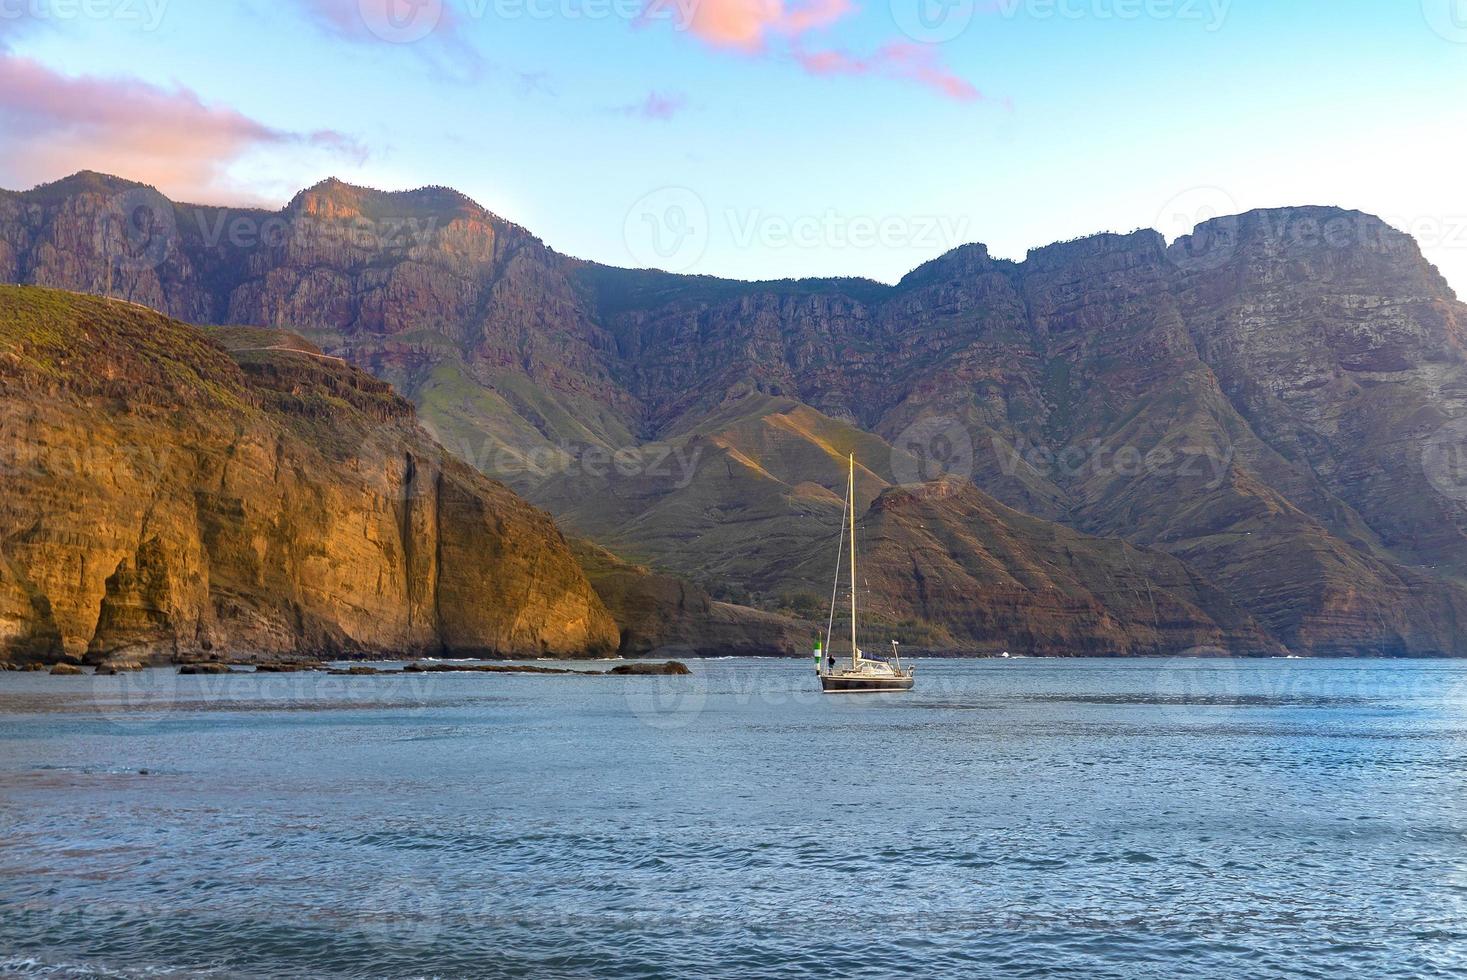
{"x": 1282, "y": 486}
{"x": 94, "y": 180}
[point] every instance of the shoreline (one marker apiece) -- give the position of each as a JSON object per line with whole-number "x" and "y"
{"x": 621, "y": 666}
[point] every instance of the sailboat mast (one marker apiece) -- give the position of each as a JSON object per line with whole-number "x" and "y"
{"x": 851, "y": 496}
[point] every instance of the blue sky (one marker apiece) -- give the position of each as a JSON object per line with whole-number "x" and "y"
{"x": 765, "y": 138}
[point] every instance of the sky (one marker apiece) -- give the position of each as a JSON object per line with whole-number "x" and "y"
{"x": 763, "y": 139}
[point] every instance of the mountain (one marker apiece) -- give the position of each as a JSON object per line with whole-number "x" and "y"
{"x": 1274, "y": 401}
{"x": 663, "y": 615}
{"x": 171, "y": 493}
{"x": 1045, "y": 586}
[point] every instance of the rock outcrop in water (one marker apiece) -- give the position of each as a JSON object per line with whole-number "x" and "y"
{"x": 1278, "y": 402}
{"x": 166, "y": 498}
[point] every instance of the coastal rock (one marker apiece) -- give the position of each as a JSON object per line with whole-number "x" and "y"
{"x": 166, "y": 500}
{"x": 66, "y": 670}
{"x": 111, "y": 668}
{"x": 205, "y": 669}
{"x": 672, "y": 669}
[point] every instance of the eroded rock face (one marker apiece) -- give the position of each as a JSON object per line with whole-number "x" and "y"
{"x": 1275, "y": 401}
{"x": 1344, "y": 349}
{"x": 165, "y": 500}
{"x": 1045, "y": 590}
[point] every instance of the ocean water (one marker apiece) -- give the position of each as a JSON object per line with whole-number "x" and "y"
{"x": 1021, "y": 818}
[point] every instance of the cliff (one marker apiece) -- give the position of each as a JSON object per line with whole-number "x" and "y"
{"x": 166, "y": 497}
{"x": 1046, "y": 590}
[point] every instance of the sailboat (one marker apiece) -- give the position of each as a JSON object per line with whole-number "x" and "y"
{"x": 861, "y": 672}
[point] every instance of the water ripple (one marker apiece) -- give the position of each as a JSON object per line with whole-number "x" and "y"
{"x": 1025, "y": 820}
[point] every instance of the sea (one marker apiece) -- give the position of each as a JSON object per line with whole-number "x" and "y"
{"x": 1008, "y": 818}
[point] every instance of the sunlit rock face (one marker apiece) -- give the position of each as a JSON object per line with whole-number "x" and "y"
{"x": 166, "y": 497}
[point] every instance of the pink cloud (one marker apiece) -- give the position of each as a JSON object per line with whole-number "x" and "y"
{"x": 733, "y": 23}
{"x": 655, "y": 106}
{"x": 896, "y": 59}
{"x": 815, "y": 15}
{"x": 56, "y": 124}
{"x": 832, "y": 63}
{"x": 753, "y": 26}
{"x": 746, "y": 24}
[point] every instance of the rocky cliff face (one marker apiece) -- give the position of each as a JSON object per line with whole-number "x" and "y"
{"x": 1276, "y": 401}
{"x": 933, "y": 547}
{"x": 165, "y": 498}
{"x": 1344, "y": 350}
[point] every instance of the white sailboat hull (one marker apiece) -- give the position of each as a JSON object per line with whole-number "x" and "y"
{"x": 868, "y": 675}
{"x": 855, "y": 683}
